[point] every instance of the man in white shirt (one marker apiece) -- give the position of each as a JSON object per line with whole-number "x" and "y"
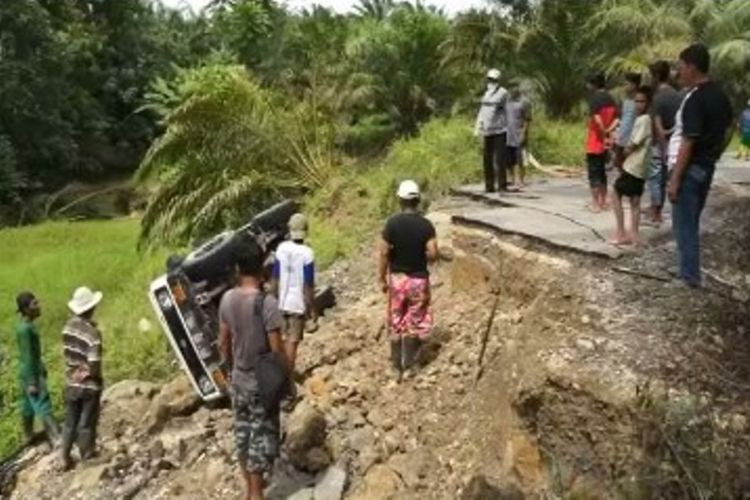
{"x": 293, "y": 282}
{"x": 492, "y": 126}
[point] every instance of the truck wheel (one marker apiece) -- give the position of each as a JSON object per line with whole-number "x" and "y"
{"x": 213, "y": 260}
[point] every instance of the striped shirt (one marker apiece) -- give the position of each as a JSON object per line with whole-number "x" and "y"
{"x": 82, "y": 344}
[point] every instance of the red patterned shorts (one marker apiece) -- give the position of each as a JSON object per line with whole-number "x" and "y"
{"x": 410, "y": 311}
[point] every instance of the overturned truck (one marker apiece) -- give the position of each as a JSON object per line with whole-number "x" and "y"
{"x": 186, "y": 298}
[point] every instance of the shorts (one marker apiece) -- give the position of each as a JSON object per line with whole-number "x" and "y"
{"x": 293, "y": 326}
{"x": 629, "y": 185}
{"x": 514, "y": 156}
{"x": 256, "y": 431}
{"x": 596, "y": 165}
{"x": 39, "y": 405}
{"x": 410, "y": 311}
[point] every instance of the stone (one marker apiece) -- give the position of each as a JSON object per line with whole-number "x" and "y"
{"x": 379, "y": 483}
{"x": 414, "y": 467}
{"x": 129, "y": 389}
{"x": 331, "y": 484}
{"x": 317, "y": 459}
{"x": 368, "y": 457}
{"x": 87, "y": 479}
{"x": 177, "y": 398}
{"x": 585, "y": 344}
{"x": 361, "y": 438}
{"x": 479, "y": 488}
{"x": 306, "y": 429}
{"x": 380, "y": 418}
{"x": 303, "y": 494}
{"x": 526, "y": 460}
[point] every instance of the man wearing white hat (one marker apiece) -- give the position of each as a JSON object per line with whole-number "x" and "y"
{"x": 407, "y": 244}
{"x": 82, "y": 344}
{"x": 492, "y": 125}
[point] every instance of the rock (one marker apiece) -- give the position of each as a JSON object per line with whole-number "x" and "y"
{"x": 379, "y": 483}
{"x": 317, "y": 459}
{"x": 156, "y": 451}
{"x": 306, "y": 429}
{"x": 368, "y": 457}
{"x": 415, "y": 466}
{"x": 331, "y": 485}
{"x": 361, "y": 438}
{"x": 585, "y": 344}
{"x": 380, "y": 418}
{"x": 177, "y": 398}
{"x": 87, "y": 479}
{"x": 526, "y": 460}
{"x": 481, "y": 489}
{"x": 129, "y": 389}
{"x": 304, "y": 494}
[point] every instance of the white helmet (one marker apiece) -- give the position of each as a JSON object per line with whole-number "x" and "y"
{"x": 493, "y": 74}
{"x": 408, "y": 190}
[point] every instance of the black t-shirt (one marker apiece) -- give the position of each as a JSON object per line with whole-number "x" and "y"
{"x": 408, "y": 234}
{"x": 665, "y": 105}
{"x": 706, "y": 116}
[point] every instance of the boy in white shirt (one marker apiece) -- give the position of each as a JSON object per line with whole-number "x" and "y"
{"x": 293, "y": 282}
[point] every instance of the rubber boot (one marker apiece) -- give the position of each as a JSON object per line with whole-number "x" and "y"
{"x": 28, "y": 429}
{"x": 66, "y": 445}
{"x": 52, "y": 430}
{"x": 396, "y": 355}
{"x": 412, "y": 346}
{"x": 86, "y": 443}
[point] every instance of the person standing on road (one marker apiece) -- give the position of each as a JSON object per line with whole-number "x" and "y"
{"x": 744, "y": 130}
{"x": 34, "y": 398}
{"x": 702, "y": 133}
{"x": 249, "y": 326}
{"x": 632, "y": 178}
{"x": 82, "y": 349}
{"x": 627, "y": 116}
{"x": 519, "y": 117}
{"x": 664, "y": 107}
{"x": 602, "y": 121}
{"x": 293, "y": 282}
{"x": 407, "y": 244}
{"x": 491, "y": 124}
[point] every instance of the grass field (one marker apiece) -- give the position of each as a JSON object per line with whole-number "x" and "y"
{"x": 51, "y": 260}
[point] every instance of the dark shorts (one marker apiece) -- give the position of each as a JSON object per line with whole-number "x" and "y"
{"x": 597, "y": 169}
{"x": 629, "y": 185}
{"x": 293, "y": 327}
{"x": 514, "y": 156}
{"x": 256, "y": 431}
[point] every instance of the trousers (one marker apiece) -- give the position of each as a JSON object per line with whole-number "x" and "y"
{"x": 82, "y": 408}
{"x": 495, "y": 165}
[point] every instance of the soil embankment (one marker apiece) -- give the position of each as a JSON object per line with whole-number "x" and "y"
{"x": 598, "y": 378}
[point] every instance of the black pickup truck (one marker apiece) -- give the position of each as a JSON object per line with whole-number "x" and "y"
{"x": 186, "y": 298}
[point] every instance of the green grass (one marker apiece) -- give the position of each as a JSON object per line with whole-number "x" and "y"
{"x": 555, "y": 142}
{"x": 52, "y": 259}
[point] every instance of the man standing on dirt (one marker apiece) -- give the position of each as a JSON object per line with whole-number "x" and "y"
{"x": 491, "y": 124}
{"x": 407, "y": 244}
{"x": 250, "y": 325}
{"x": 34, "y": 399}
{"x": 701, "y": 135}
{"x": 82, "y": 348}
{"x": 664, "y": 107}
{"x": 293, "y": 282}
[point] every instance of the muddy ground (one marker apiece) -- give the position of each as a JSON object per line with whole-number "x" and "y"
{"x": 599, "y": 379}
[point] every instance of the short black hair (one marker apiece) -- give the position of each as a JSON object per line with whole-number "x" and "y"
{"x": 410, "y": 203}
{"x": 660, "y": 71}
{"x": 23, "y": 301}
{"x": 645, "y": 91}
{"x": 249, "y": 257}
{"x": 697, "y": 55}
{"x": 634, "y": 78}
{"x": 597, "y": 80}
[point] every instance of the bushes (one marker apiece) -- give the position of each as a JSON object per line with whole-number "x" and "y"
{"x": 556, "y": 142}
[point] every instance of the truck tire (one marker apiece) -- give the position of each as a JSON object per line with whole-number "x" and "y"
{"x": 213, "y": 261}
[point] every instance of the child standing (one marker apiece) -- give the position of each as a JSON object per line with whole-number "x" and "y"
{"x": 632, "y": 178}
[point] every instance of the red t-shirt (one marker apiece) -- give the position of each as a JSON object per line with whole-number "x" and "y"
{"x": 601, "y": 104}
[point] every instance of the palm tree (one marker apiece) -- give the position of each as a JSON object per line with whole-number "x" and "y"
{"x": 374, "y": 9}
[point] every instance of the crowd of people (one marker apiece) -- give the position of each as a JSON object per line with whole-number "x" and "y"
{"x": 666, "y": 136}
{"x": 265, "y": 313}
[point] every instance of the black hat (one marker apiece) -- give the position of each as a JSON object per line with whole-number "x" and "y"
{"x": 24, "y": 300}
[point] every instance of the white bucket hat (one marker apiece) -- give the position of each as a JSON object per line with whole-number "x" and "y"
{"x": 493, "y": 74}
{"x": 84, "y": 300}
{"x": 408, "y": 190}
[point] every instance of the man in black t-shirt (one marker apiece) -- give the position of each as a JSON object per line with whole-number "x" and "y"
{"x": 407, "y": 244}
{"x": 701, "y": 135}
